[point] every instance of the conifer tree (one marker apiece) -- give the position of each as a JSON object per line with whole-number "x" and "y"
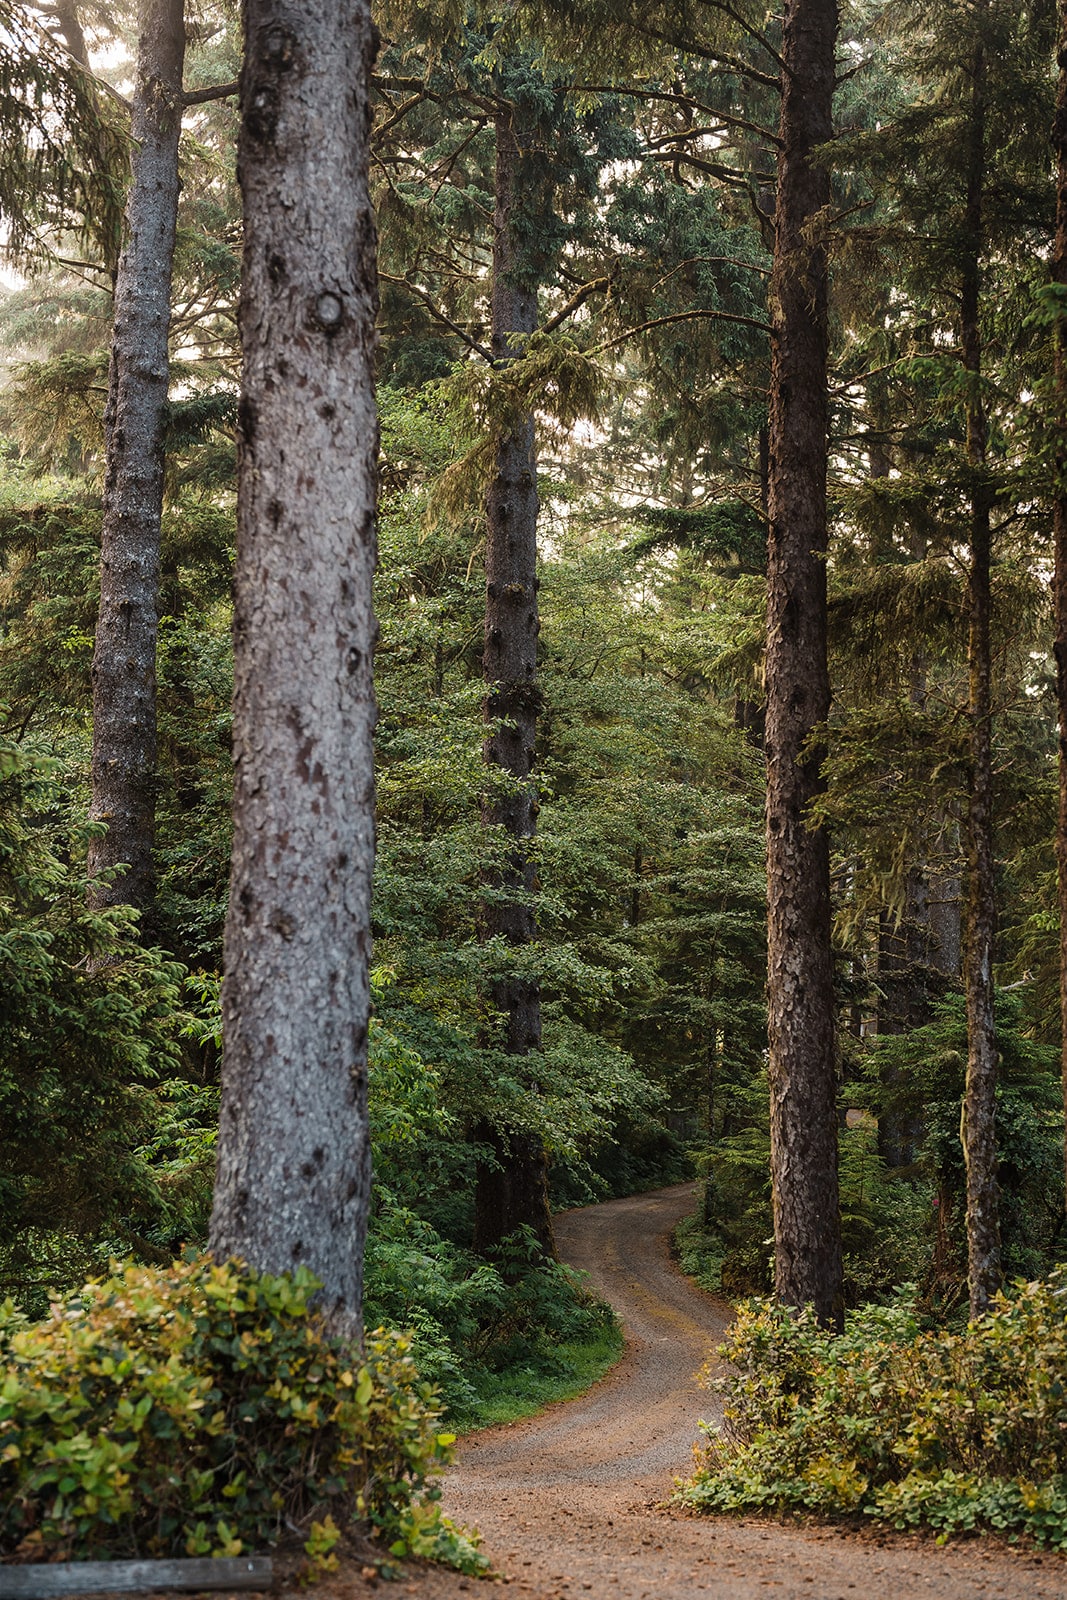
{"x": 1059, "y": 522}
{"x": 800, "y": 971}
{"x": 967, "y": 184}
{"x": 979, "y": 1127}
{"x": 124, "y": 659}
{"x": 512, "y": 1189}
{"x": 293, "y": 1176}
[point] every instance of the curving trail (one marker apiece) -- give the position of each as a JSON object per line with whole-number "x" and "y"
{"x": 570, "y": 1502}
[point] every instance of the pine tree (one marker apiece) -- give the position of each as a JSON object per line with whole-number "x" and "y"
{"x": 800, "y": 971}
{"x": 124, "y": 660}
{"x": 979, "y": 1126}
{"x": 1059, "y": 521}
{"x": 512, "y": 1189}
{"x": 293, "y": 1153}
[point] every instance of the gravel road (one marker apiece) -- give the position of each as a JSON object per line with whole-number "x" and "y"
{"x": 570, "y": 1502}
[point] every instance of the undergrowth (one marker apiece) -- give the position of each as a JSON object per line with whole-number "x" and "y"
{"x": 203, "y": 1410}
{"x": 499, "y": 1338}
{"x": 558, "y": 1372}
{"x": 953, "y": 1431}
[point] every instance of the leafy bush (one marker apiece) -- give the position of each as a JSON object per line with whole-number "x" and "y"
{"x": 956, "y": 1431}
{"x": 204, "y": 1410}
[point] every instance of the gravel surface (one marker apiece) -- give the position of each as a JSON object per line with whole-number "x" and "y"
{"x": 570, "y": 1502}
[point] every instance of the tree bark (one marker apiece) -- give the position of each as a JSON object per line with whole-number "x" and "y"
{"x": 807, "y": 1232}
{"x": 293, "y": 1153}
{"x": 979, "y": 1123}
{"x": 511, "y": 1189}
{"x": 69, "y": 24}
{"x": 1059, "y": 523}
{"x": 124, "y": 658}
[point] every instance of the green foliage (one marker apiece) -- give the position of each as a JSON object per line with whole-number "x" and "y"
{"x": 90, "y": 1025}
{"x": 902, "y": 1223}
{"x": 202, "y": 1410}
{"x": 62, "y": 155}
{"x": 497, "y": 1337}
{"x": 919, "y": 1075}
{"x": 912, "y": 1426}
{"x": 493, "y": 1336}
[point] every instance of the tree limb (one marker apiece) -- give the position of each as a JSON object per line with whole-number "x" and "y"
{"x": 595, "y": 286}
{"x": 746, "y": 27}
{"x": 200, "y": 97}
{"x": 436, "y": 312}
{"x": 689, "y": 48}
{"x": 680, "y": 98}
{"x": 682, "y": 316}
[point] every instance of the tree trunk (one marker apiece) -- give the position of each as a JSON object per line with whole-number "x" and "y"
{"x": 1059, "y": 516}
{"x": 124, "y": 658}
{"x": 68, "y": 22}
{"x": 511, "y": 1189}
{"x": 979, "y": 1123}
{"x": 800, "y": 971}
{"x": 293, "y": 1152}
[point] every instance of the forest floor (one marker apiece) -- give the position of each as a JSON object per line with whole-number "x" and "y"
{"x": 571, "y": 1502}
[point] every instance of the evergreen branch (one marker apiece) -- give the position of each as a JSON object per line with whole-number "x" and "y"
{"x": 839, "y": 216}
{"x": 436, "y": 312}
{"x": 746, "y": 27}
{"x": 446, "y": 172}
{"x": 681, "y": 99}
{"x": 395, "y": 84}
{"x": 862, "y": 377}
{"x": 730, "y": 175}
{"x": 682, "y": 316}
{"x": 729, "y": 261}
{"x": 80, "y": 266}
{"x": 687, "y": 47}
{"x": 201, "y": 97}
{"x": 595, "y": 286}
{"x": 400, "y": 112}
{"x": 681, "y": 136}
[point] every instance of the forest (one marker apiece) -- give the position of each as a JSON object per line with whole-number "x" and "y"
{"x": 533, "y": 669}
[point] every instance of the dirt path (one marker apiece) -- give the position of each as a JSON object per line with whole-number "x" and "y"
{"x": 569, "y": 1502}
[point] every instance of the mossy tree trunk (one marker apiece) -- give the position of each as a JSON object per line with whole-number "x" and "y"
{"x": 1059, "y": 512}
{"x": 511, "y": 1189}
{"x": 979, "y": 1121}
{"x": 808, "y": 1267}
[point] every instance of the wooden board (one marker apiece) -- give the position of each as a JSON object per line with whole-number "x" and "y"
{"x": 48, "y": 1580}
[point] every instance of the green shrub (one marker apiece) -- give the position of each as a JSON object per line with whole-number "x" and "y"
{"x": 957, "y": 1431}
{"x": 481, "y": 1329}
{"x": 204, "y": 1410}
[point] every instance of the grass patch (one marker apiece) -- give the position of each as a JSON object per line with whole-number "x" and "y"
{"x": 518, "y": 1391}
{"x": 700, "y": 1253}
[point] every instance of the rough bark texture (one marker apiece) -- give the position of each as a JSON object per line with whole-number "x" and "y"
{"x": 124, "y": 658}
{"x": 800, "y": 976}
{"x": 512, "y": 1190}
{"x": 293, "y": 1153}
{"x": 979, "y": 1122}
{"x": 1059, "y": 512}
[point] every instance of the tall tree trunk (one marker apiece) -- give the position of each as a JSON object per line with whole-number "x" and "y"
{"x": 124, "y": 658}
{"x": 1059, "y": 515}
{"x": 807, "y": 1230}
{"x": 979, "y": 1123}
{"x": 293, "y": 1152}
{"x": 512, "y": 1189}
